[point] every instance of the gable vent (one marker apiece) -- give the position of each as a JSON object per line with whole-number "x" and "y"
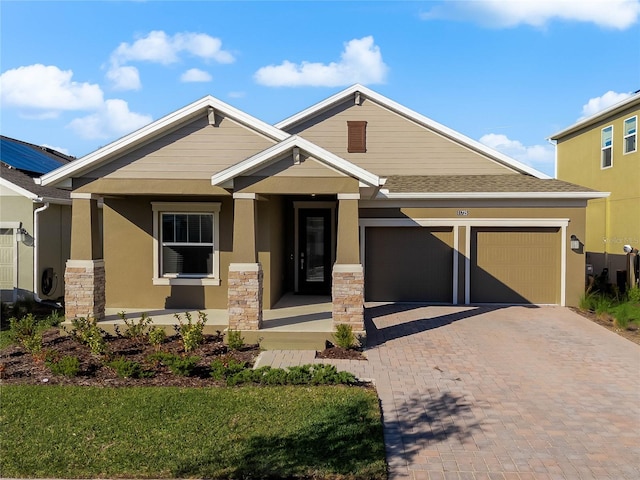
{"x": 357, "y": 136}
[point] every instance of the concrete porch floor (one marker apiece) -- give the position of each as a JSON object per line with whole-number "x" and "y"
{"x": 295, "y": 322}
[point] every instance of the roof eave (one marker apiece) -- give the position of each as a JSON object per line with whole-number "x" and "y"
{"x": 382, "y": 195}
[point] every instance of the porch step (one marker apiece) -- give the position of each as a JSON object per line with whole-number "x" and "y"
{"x": 279, "y": 340}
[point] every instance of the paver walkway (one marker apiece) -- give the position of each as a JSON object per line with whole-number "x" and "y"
{"x": 499, "y": 393}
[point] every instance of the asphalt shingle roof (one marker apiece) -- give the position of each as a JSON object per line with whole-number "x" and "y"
{"x": 479, "y": 184}
{"x": 26, "y": 182}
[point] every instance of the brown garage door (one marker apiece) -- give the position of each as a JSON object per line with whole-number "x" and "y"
{"x": 515, "y": 265}
{"x": 409, "y": 264}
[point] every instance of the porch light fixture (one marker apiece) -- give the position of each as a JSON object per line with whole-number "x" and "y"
{"x": 21, "y": 235}
{"x": 575, "y": 243}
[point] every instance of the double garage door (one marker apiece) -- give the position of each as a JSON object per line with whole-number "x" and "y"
{"x": 504, "y": 265}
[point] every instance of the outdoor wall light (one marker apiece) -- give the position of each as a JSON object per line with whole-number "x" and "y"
{"x": 21, "y": 235}
{"x": 575, "y": 243}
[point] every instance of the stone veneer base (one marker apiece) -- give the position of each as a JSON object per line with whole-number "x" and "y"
{"x": 84, "y": 292}
{"x": 348, "y": 296}
{"x": 245, "y": 296}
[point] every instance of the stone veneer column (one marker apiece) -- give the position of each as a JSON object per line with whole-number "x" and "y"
{"x": 245, "y": 296}
{"x": 348, "y": 296}
{"x": 84, "y": 289}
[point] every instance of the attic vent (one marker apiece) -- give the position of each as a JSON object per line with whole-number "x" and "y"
{"x": 357, "y": 137}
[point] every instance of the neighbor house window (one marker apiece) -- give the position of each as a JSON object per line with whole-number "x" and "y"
{"x": 630, "y": 128}
{"x": 607, "y": 147}
{"x": 356, "y": 136}
{"x": 186, "y": 243}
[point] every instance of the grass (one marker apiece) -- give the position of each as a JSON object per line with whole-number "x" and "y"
{"x": 163, "y": 432}
{"x": 624, "y": 310}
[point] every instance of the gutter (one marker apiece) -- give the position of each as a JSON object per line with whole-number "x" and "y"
{"x": 36, "y": 238}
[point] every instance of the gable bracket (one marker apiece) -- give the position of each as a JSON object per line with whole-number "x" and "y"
{"x": 212, "y": 116}
{"x": 357, "y": 98}
{"x": 296, "y": 156}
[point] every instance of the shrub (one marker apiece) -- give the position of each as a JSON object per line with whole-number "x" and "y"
{"x": 190, "y": 332}
{"x": 178, "y": 365}
{"x": 344, "y": 336}
{"x": 68, "y": 366}
{"x": 236, "y": 340}
{"x": 633, "y": 295}
{"x": 54, "y": 319}
{"x": 27, "y": 333}
{"x": 225, "y": 367}
{"x": 87, "y": 332}
{"x": 127, "y": 368}
{"x": 136, "y": 330}
{"x": 157, "y": 336}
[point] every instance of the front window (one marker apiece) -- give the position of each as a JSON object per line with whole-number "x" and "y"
{"x": 607, "y": 147}
{"x": 186, "y": 248}
{"x": 630, "y": 127}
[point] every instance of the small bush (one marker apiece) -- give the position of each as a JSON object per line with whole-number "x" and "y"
{"x": 27, "y": 333}
{"x": 54, "y": 319}
{"x": 157, "y": 336}
{"x": 127, "y": 368}
{"x": 191, "y": 332}
{"x": 344, "y": 336}
{"x": 68, "y": 366}
{"x": 225, "y": 367}
{"x": 87, "y": 332}
{"x": 136, "y": 330}
{"x": 633, "y": 295}
{"x": 178, "y": 365}
{"x": 236, "y": 340}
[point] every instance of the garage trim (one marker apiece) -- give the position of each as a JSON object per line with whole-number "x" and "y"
{"x": 468, "y": 223}
{"x": 15, "y": 226}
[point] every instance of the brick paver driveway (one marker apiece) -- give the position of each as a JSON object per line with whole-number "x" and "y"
{"x": 499, "y": 393}
{"x": 504, "y": 393}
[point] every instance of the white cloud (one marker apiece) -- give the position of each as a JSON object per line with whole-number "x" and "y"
{"x": 113, "y": 119}
{"x": 158, "y": 47}
{"x": 617, "y": 14}
{"x": 360, "y": 62}
{"x": 48, "y": 90}
{"x": 537, "y": 156}
{"x": 237, "y": 94}
{"x": 195, "y": 75}
{"x": 124, "y": 78}
{"x": 597, "y": 104}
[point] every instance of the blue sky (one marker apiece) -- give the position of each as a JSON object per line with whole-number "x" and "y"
{"x": 77, "y": 75}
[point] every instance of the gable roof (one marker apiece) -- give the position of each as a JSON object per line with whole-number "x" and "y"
{"x": 24, "y": 185}
{"x": 264, "y": 158}
{"x": 413, "y": 116}
{"x": 607, "y": 112}
{"x": 200, "y": 107}
{"x": 29, "y": 157}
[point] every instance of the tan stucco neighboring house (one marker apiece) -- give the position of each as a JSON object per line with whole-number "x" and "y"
{"x": 357, "y": 197}
{"x": 35, "y": 237}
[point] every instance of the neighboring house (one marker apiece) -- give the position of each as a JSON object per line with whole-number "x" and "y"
{"x": 35, "y": 223}
{"x": 357, "y": 196}
{"x": 601, "y": 152}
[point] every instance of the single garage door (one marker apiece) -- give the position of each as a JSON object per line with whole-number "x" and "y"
{"x": 409, "y": 264}
{"x": 515, "y": 265}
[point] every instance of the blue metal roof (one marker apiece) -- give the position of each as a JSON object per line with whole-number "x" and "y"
{"x": 23, "y": 156}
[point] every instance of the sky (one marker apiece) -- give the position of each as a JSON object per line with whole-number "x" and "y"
{"x": 77, "y": 75}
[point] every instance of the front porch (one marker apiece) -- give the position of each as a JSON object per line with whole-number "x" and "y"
{"x": 296, "y": 322}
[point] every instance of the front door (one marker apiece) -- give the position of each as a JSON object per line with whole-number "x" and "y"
{"x": 314, "y": 251}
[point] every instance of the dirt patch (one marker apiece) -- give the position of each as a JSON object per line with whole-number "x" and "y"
{"x": 632, "y": 333}
{"x": 335, "y": 352}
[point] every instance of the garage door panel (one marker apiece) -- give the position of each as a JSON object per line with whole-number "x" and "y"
{"x": 515, "y": 265}
{"x": 409, "y": 264}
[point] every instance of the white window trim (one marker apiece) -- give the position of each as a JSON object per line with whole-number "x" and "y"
{"x": 603, "y": 148}
{"x": 186, "y": 207}
{"x": 624, "y": 137}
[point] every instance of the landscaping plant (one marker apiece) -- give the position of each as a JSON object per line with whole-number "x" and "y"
{"x": 235, "y": 339}
{"x": 191, "y": 332}
{"x": 344, "y": 336}
{"x": 136, "y": 330}
{"x": 87, "y": 332}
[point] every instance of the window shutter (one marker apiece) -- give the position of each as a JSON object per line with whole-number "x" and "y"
{"x": 357, "y": 137}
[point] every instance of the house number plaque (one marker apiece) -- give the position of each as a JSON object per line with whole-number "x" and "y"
{"x": 463, "y": 213}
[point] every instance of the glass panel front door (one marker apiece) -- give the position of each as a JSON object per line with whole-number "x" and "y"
{"x": 314, "y": 262}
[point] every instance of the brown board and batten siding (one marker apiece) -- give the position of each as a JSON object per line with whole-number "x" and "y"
{"x": 395, "y": 145}
{"x": 194, "y": 151}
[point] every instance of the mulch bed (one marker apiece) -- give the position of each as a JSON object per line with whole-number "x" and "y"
{"x": 19, "y": 367}
{"x": 632, "y": 333}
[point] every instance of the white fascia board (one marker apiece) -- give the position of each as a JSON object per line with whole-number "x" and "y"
{"x": 263, "y": 158}
{"x": 382, "y": 195}
{"x": 597, "y": 116}
{"x": 19, "y": 190}
{"x": 416, "y": 117}
{"x": 190, "y": 111}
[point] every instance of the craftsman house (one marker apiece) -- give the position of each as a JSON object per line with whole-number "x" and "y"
{"x": 357, "y": 199}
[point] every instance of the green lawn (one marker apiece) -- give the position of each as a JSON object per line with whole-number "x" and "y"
{"x": 248, "y": 432}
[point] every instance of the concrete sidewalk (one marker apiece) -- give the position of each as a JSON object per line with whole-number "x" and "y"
{"x": 498, "y": 393}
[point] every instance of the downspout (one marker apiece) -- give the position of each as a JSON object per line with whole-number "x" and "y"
{"x": 36, "y": 238}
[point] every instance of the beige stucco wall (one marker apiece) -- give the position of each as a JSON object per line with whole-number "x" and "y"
{"x": 395, "y": 145}
{"x": 575, "y": 271}
{"x": 54, "y": 246}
